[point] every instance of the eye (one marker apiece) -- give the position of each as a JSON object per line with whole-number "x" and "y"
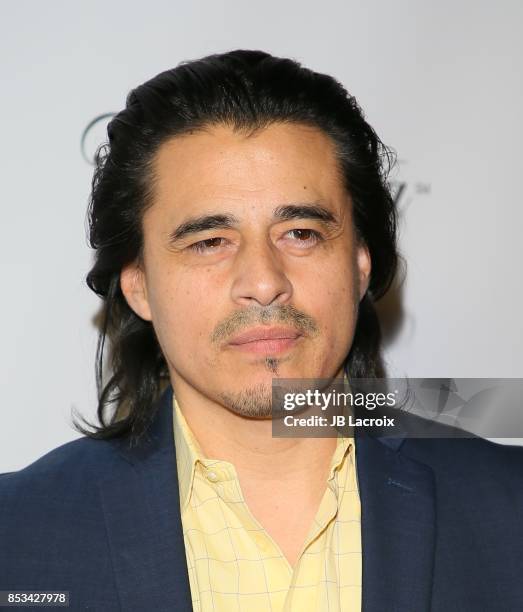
{"x": 306, "y": 237}
{"x": 204, "y": 246}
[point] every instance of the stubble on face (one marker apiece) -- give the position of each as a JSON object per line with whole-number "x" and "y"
{"x": 252, "y": 402}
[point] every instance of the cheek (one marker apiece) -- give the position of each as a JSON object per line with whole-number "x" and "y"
{"x": 335, "y": 302}
{"x": 182, "y": 312}
{"x": 333, "y": 287}
{"x": 340, "y": 311}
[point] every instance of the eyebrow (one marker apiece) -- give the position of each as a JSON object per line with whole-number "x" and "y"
{"x": 228, "y": 220}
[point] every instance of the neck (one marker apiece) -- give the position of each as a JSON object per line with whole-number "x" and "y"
{"x": 248, "y": 443}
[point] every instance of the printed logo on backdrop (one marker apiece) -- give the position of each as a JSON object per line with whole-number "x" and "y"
{"x": 405, "y": 190}
{"x": 93, "y": 135}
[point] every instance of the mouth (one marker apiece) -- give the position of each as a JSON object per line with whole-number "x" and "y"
{"x": 265, "y": 340}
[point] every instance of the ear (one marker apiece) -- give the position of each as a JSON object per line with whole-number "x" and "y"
{"x": 364, "y": 267}
{"x": 133, "y": 286}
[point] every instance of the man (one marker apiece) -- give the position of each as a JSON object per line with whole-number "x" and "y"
{"x": 243, "y": 230}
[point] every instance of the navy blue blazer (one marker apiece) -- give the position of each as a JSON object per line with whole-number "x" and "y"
{"x": 442, "y": 524}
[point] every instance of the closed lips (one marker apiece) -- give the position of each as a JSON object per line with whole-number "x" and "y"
{"x": 261, "y": 333}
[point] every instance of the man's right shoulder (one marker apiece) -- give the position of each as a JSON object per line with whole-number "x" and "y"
{"x": 64, "y": 469}
{"x": 52, "y": 522}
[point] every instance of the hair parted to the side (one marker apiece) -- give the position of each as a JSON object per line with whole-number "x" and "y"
{"x": 246, "y": 90}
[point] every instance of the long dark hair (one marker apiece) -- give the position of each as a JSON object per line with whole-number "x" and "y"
{"x": 246, "y": 90}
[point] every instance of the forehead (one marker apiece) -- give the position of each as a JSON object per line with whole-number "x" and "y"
{"x": 280, "y": 162}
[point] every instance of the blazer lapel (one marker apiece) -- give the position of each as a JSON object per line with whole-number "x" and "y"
{"x": 398, "y": 527}
{"x": 142, "y": 515}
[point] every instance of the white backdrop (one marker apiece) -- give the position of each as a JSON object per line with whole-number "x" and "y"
{"x": 439, "y": 81}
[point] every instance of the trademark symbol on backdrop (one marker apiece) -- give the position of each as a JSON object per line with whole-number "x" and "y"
{"x": 407, "y": 190}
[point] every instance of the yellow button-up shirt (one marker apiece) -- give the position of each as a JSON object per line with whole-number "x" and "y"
{"x": 233, "y": 562}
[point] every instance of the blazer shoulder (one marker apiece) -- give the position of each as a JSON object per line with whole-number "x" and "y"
{"x": 77, "y": 461}
{"x": 52, "y": 523}
{"x": 467, "y": 456}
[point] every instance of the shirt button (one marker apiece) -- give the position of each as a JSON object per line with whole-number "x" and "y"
{"x": 212, "y": 476}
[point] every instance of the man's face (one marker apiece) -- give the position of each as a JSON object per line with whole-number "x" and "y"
{"x": 251, "y": 266}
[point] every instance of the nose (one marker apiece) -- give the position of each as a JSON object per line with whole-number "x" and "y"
{"x": 259, "y": 275}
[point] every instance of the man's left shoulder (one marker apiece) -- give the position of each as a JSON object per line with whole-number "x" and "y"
{"x": 467, "y": 458}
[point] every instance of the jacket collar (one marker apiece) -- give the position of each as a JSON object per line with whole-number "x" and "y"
{"x": 141, "y": 506}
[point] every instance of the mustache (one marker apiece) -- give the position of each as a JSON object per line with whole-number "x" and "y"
{"x": 264, "y": 315}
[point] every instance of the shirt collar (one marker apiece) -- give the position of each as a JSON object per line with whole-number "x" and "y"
{"x": 188, "y": 453}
